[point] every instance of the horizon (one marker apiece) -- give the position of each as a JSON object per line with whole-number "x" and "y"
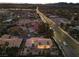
{"x": 38, "y": 1}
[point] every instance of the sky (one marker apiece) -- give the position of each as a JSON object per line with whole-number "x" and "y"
{"x": 38, "y": 1}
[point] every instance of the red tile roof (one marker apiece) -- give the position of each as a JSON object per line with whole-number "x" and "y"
{"x": 13, "y": 41}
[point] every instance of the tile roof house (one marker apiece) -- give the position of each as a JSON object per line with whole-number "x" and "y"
{"x": 12, "y": 40}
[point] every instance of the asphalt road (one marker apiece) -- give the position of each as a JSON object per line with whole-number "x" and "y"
{"x": 68, "y": 45}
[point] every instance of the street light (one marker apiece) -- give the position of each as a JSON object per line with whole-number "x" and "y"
{"x": 73, "y": 16}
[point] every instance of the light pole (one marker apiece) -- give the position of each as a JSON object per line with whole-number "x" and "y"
{"x": 73, "y": 16}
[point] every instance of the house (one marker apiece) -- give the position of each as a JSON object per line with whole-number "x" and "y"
{"x": 39, "y": 43}
{"x": 12, "y": 40}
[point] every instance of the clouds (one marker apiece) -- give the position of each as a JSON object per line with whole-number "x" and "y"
{"x": 37, "y": 1}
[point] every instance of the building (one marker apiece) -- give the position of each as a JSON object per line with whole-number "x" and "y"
{"x": 12, "y": 40}
{"x": 39, "y": 43}
{"x": 36, "y": 46}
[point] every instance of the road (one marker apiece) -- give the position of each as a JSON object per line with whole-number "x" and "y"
{"x": 68, "y": 45}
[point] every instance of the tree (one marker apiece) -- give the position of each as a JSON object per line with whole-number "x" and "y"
{"x": 43, "y": 28}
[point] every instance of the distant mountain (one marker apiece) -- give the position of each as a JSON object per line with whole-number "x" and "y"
{"x": 63, "y": 4}
{"x": 26, "y": 5}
